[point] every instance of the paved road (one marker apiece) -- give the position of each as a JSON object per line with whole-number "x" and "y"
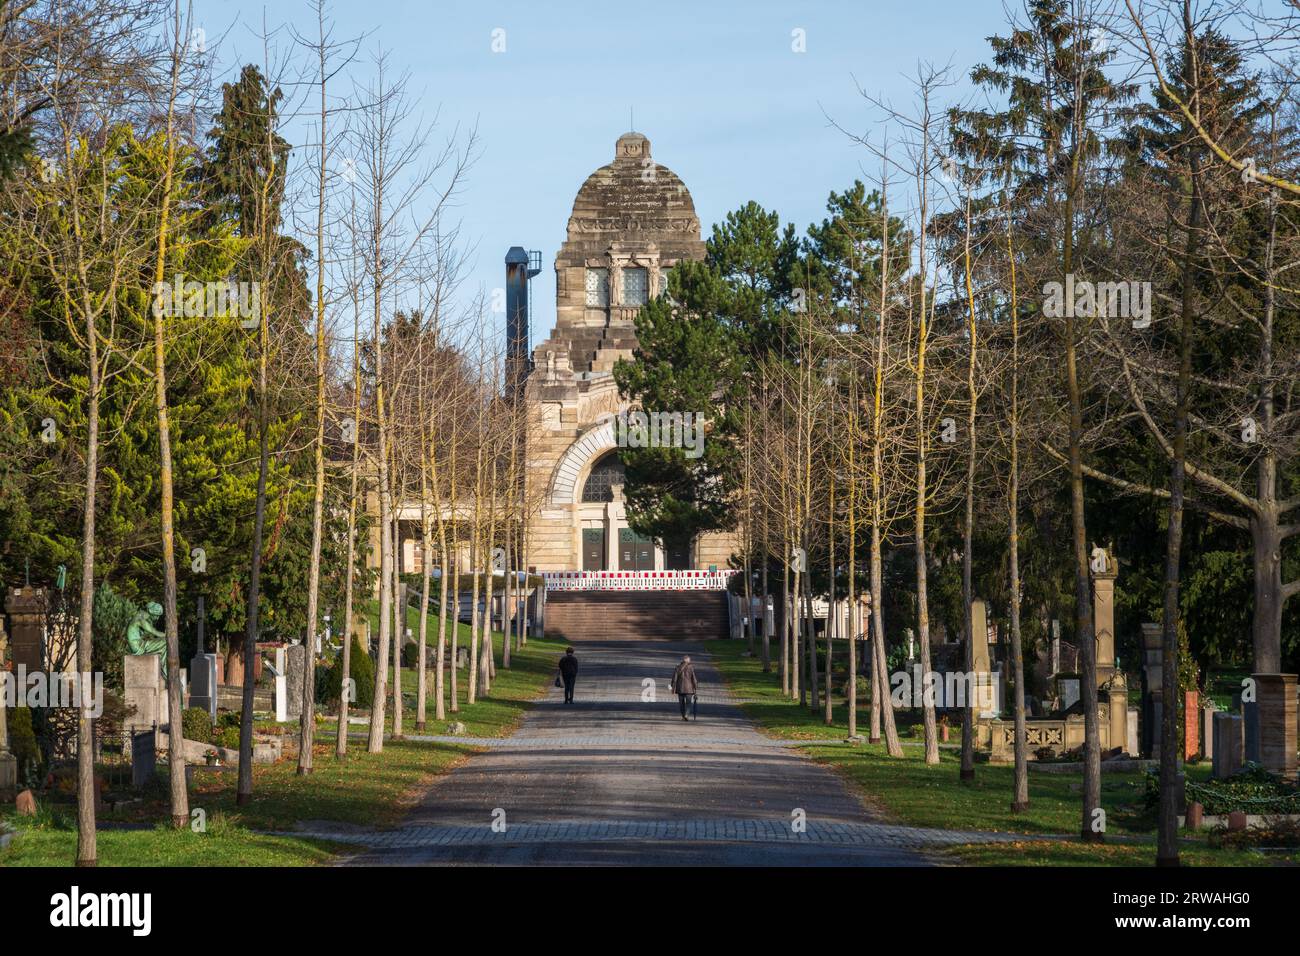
{"x": 616, "y": 778}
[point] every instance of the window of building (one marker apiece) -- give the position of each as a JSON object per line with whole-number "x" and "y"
{"x": 605, "y": 474}
{"x": 598, "y": 287}
{"x": 636, "y": 286}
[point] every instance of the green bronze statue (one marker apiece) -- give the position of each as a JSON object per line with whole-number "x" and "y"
{"x": 143, "y": 638}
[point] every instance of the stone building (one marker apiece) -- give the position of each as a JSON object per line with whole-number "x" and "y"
{"x": 632, "y": 220}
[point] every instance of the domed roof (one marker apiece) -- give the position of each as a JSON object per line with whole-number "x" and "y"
{"x": 633, "y": 194}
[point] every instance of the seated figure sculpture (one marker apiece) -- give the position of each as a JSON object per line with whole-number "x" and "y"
{"x": 142, "y": 637}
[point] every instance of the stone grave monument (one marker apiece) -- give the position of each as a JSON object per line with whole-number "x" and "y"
{"x": 26, "y": 608}
{"x": 1276, "y": 709}
{"x": 144, "y": 690}
{"x": 1228, "y": 733}
{"x": 1208, "y": 710}
{"x": 295, "y": 672}
{"x": 203, "y": 683}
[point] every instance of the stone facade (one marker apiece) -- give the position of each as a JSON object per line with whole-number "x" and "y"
{"x": 633, "y": 219}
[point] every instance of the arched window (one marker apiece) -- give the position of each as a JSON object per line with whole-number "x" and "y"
{"x": 605, "y": 473}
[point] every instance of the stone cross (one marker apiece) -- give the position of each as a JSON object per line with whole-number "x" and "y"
{"x": 199, "y": 624}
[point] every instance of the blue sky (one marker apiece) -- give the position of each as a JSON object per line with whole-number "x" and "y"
{"x": 716, "y": 86}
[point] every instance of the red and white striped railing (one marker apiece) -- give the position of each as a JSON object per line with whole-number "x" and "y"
{"x": 637, "y": 580}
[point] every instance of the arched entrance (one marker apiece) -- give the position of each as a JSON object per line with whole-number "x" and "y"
{"x": 608, "y": 544}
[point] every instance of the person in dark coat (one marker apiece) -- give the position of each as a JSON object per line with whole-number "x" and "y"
{"x": 685, "y": 685}
{"x": 569, "y": 673}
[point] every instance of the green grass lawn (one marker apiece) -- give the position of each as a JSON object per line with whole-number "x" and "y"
{"x": 1030, "y": 853}
{"x": 513, "y": 690}
{"x": 364, "y": 789}
{"x": 906, "y": 790}
{"x": 50, "y": 839}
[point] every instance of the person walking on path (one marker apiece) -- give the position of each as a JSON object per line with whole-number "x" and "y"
{"x": 685, "y": 685}
{"x": 568, "y": 673}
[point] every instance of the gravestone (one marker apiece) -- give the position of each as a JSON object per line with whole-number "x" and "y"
{"x": 1191, "y": 726}
{"x": 203, "y": 690}
{"x": 295, "y": 662}
{"x": 1227, "y": 745}
{"x": 1133, "y": 746}
{"x": 144, "y": 758}
{"x": 1069, "y": 690}
{"x": 1208, "y": 710}
{"x": 281, "y": 684}
{"x": 143, "y": 689}
{"x": 979, "y": 630}
{"x": 989, "y": 693}
{"x": 1103, "y": 610}
{"x": 26, "y": 609}
{"x": 1250, "y": 715}
{"x": 1117, "y": 711}
{"x": 1276, "y": 709}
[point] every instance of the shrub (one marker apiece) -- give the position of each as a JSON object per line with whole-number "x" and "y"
{"x": 362, "y": 670}
{"x": 322, "y": 672}
{"x": 410, "y": 655}
{"x": 1279, "y": 832}
{"x": 22, "y": 744}
{"x": 227, "y": 737}
{"x": 1251, "y": 790}
{"x": 196, "y": 724}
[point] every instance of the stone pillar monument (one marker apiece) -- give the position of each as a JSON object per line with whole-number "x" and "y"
{"x": 979, "y": 636}
{"x": 26, "y": 609}
{"x": 1103, "y": 613}
{"x": 1117, "y": 694}
{"x": 1206, "y": 717}
{"x": 985, "y": 683}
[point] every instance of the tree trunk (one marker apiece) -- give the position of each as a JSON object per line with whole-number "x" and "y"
{"x": 341, "y": 743}
{"x": 399, "y": 621}
{"x": 881, "y": 690}
{"x": 244, "y": 790}
{"x": 1020, "y": 782}
{"x": 87, "y": 838}
{"x": 1092, "y": 828}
